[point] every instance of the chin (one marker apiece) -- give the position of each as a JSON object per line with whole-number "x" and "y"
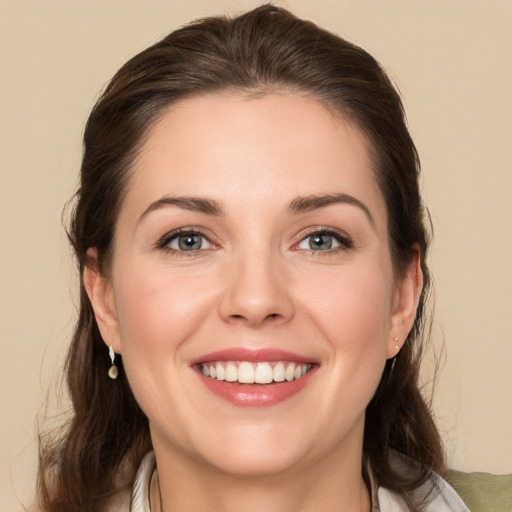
{"x": 257, "y": 463}
{"x": 258, "y": 450}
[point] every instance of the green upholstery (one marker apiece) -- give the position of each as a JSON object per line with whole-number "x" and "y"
{"x": 482, "y": 492}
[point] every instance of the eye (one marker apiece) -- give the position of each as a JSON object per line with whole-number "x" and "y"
{"x": 324, "y": 241}
{"x": 189, "y": 241}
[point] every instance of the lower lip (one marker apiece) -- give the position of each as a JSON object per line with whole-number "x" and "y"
{"x": 256, "y": 395}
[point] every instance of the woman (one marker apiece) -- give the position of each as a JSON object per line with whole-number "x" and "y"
{"x": 252, "y": 249}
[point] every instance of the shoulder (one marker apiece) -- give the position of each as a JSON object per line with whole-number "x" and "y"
{"x": 120, "y": 502}
{"x": 436, "y": 494}
{"x": 483, "y": 492}
{"x": 135, "y": 498}
{"x": 443, "y": 498}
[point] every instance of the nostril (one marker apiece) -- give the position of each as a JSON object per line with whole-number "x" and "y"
{"x": 252, "y": 319}
{"x": 270, "y": 316}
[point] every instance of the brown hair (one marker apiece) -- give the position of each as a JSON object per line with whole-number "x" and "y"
{"x": 267, "y": 48}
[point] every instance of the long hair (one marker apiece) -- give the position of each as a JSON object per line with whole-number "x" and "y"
{"x": 263, "y": 50}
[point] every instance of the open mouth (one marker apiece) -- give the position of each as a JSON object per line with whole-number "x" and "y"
{"x": 245, "y": 372}
{"x": 255, "y": 378}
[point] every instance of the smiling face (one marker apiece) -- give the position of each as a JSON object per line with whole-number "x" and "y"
{"x": 252, "y": 245}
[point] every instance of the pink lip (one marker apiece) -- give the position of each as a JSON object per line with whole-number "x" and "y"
{"x": 254, "y": 356}
{"x": 254, "y": 395}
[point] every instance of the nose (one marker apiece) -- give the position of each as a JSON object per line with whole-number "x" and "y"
{"x": 257, "y": 292}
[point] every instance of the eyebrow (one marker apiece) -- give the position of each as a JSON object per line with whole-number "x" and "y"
{"x": 195, "y": 204}
{"x": 313, "y": 202}
{"x": 300, "y": 204}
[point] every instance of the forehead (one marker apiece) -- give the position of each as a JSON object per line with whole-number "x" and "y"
{"x": 271, "y": 147}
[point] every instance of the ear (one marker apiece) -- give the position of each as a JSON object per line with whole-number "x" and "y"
{"x": 101, "y": 295}
{"x": 407, "y": 296}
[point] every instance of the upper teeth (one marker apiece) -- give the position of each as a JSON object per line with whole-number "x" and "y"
{"x": 250, "y": 373}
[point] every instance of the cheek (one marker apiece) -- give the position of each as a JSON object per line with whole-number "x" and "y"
{"x": 156, "y": 311}
{"x": 157, "y": 315}
{"x": 353, "y": 307}
{"x": 354, "y": 315}
{"x": 349, "y": 311}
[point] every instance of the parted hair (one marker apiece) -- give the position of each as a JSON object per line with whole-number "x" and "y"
{"x": 266, "y": 49}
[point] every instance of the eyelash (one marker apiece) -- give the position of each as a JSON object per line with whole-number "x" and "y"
{"x": 342, "y": 238}
{"x": 163, "y": 243}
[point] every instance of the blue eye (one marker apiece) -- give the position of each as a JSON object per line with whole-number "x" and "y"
{"x": 324, "y": 241}
{"x": 188, "y": 242}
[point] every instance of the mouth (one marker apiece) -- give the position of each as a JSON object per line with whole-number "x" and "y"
{"x": 247, "y": 372}
{"x": 248, "y": 378}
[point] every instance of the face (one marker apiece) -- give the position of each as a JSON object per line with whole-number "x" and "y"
{"x": 252, "y": 293}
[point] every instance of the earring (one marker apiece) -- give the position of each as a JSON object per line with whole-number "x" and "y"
{"x": 113, "y": 372}
{"x": 397, "y": 348}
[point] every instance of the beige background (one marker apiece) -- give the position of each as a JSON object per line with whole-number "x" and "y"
{"x": 452, "y": 61}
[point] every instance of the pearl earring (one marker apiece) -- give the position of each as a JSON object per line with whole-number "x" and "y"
{"x": 113, "y": 372}
{"x": 396, "y": 346}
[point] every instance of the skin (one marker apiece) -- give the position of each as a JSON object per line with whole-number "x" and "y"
{"x": 256, "y": 283}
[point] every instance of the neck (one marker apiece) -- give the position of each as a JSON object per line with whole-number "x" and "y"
{"x": 182, "y": 484}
